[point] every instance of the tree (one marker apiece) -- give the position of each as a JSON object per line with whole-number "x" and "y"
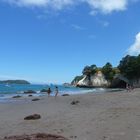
{"x": 108, "y": 71}
{"x": 93, "y": 69}
{"x": 130, "y": 66}
{"x": 76, "y": 79}
{"x": 87, "y": 70}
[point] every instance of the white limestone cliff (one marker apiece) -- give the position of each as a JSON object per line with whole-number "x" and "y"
{"x": 97, "y": 80}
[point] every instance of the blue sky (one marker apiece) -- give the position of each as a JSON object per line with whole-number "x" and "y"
{"x": 51, "y": 41}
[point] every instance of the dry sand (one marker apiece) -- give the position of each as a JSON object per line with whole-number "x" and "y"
{"x": 109, "y": 116}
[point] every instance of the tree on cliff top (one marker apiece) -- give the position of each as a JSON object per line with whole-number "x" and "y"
{"x": 77, "y": 79}
{"x": 89, "y": 70}
{"x": 130, "y": 67}
{"x": 109, "y": 71}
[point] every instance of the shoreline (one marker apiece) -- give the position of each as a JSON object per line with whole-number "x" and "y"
{"x": 6, "y": 97}
{"x": 110, "y": 116}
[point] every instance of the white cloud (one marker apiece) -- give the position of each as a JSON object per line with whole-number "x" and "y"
{"x": 77, "y": 27}
{"x": 107, "y": 6}
{"x": 135, "y": 48}
{"x": 56, "y": 4}
{"x": 104, "y": 6}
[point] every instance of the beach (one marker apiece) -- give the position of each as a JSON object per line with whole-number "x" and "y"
{"x": 108, "y": 116}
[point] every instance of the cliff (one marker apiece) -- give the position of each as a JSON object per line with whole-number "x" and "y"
{"x": 96, "y": 80}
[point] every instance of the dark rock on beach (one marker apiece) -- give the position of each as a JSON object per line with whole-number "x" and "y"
{"x": 17, "y": 96}
{"x": 65, "y": 95}
{"x": 30, "y": 95}
{"x": 29, "y": 92}
{"x": 38, "y": 136}
{"x": 33, "y": 117}
{"x": 75, "y": 102}
{"x": 35, "y": 99}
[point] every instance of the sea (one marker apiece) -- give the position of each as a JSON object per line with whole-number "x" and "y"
{"x": 7, "y": 91}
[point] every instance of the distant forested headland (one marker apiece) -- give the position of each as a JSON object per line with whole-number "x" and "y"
{"x": 14, "y": 82}
{"x": 127, "y": 71}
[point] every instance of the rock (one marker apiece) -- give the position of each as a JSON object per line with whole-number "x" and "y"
{"x": 44, "y": 90}
{"x": 33, "y": 117}
{"x": 96, "y": 80}
{"x": 75, "y": 102}
{"x": 67, "y": 85}
{"x": 38, "y": 136}
{"x": 65, "y": 95}
{"x": 30, "y": 95}
{"x": 29, "y": 92}
{"x": 36, "y": 99}
{"x": 17, "y": 96}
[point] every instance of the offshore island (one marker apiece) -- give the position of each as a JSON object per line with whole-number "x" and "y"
{"x": 14, "y": 82}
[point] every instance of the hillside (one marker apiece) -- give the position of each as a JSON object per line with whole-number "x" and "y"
{"x": 14, "y": 82}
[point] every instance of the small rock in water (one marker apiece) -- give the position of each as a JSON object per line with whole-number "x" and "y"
{"x": 74, "y": 102}
{"x": 33, "y": 117}
{"x": 44, "y": 90}
{"x": 17, "y": 96}
{"x": 29, "y": 91}
{"x": 36, "y": 99}
{"x": 38, "y": 136}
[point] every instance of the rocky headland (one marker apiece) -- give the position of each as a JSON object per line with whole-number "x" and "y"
{"x": 126, "y": 73}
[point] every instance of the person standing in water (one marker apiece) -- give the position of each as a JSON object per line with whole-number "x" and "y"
{"x": 56, "y": 91}
{"x": 49, "y": 92}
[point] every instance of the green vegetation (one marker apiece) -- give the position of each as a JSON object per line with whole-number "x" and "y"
{"x": 130, "y": 67}
{"x": 76, "y": 79}
{"x": 14, "y": 82}
{"x": 109, "y": 71}
{"x": 90, "y": 70}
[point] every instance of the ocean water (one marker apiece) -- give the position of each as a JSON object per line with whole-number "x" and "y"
{"x": 8, "y": 91}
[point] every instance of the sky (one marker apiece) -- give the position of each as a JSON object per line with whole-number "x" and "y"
{"x": 50, "y": 41}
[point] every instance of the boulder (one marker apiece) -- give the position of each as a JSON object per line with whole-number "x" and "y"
{"x": 38, "y": 136}
{"x": 29, "y": 92}
{"x": 44, "y": 90}
{"x": 35, "y": 99}
{"x": 33, "y": 117}
{"x": 30, "y": 95}
{"x": 17, "y": 96}
{"x": 65, "y": 95}
{"x": 75, "y": 102}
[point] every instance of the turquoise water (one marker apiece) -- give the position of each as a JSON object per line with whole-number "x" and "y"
{"x": 8, "y": 91}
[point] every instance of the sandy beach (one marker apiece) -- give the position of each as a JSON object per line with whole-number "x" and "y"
{"x": 109, "y": 116}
